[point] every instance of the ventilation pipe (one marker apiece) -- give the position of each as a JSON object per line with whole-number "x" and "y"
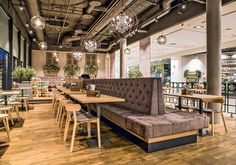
{"x": 166, "y": 8}
{"x": 104, "y": 21}
{"x": 33, "y": 8}
{"x": 92, "y": 5}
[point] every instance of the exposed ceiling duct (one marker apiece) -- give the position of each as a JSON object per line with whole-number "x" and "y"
{"x": 166, "y": 9}
{"x": 33, "y": 8}
{"x": 105, "y": 19}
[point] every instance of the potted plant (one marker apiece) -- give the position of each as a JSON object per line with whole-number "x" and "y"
{"x": 91, "y": 70}
{"x": 29, "y": 73}
{"x": 71, "y": 70}
{"x": 19, "y": 73}
{"x": 51, "y": 69}
{"x": 198, "y": 74}
{"x": 186, "y": 72}
{"x": 134, "y": 73}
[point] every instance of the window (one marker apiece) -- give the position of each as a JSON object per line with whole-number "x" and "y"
{"x": 91, "y": 60}
{"x": 50, "y": 60}
{"x": 70, "y": 60}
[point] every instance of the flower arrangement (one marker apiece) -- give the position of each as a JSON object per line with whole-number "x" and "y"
{"x": 71, "y": 70}
{"x": 22, "y": 73}
{"x": 134, "y": 73}
{"x": 51, "y": 68}
{"x": 91, "y": 70}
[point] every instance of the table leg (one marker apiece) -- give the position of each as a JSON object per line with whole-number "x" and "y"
{"x": 180, "y": 103}
{"x": 202, "y": 132}
{"x": 5, "y": 97}
{"x": 98, "y": 108}
{"x": 22, "y": 102}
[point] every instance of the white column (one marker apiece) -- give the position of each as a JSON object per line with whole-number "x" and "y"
{"x": 145, "y": 56}
{"x": 213, "y": 10}
{"x": 123, "y": 42}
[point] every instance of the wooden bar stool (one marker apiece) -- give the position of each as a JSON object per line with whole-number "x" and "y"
{"x": 7, "y": 110}
{"x": 4, "y": 119}
{"x": 79, "y": 119}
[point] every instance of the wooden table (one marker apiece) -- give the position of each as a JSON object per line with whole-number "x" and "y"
{"x": 198, "y": 90}
{"x": 201, "y": 97}
{"x": 69, "y": 91}
{"x": 8, "y": 93}
{"x": 82, "y": 98}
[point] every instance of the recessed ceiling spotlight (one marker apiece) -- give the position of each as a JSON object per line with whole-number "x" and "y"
{"x": 34, "y": 39}
{"x": 27, "y": 25}
{"x": 198, "y": 27}
{"x": 21, "y": 8}
{"x": 60, "y": 46}
{"x": 31, "y": 32}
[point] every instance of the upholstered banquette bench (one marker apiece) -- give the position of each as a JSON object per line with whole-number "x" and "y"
{"x": 143, "y": 119}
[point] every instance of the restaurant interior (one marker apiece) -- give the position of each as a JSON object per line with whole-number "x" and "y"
{"x": 117, "y": 82}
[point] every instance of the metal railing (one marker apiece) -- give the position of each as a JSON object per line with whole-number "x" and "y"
{"x": 228, "y": 91}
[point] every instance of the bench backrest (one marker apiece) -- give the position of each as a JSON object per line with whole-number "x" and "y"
{"x": 144, "y": 95}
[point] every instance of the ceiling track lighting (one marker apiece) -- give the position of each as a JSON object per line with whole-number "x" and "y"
{"x": 182, "y": 7}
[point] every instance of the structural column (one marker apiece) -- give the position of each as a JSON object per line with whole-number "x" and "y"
{"x": 145, "y": 56}
{"x": 213, "y": 10}
{"x": 123, "y": 43}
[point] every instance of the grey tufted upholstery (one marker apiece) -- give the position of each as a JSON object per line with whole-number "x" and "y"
{"x": 143, "y": 112}
{"x": 143, "y": 95}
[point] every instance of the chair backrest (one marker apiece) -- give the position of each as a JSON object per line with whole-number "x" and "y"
{"x": 72, "y": 109}
{"x": 215, "y": 100}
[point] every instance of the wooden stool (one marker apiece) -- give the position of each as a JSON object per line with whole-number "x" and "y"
{"x": 7, "y": 110}
{"x": 25, "y": 102}
{"x": 79, "y": 119}
{"x": 4, "y": 118}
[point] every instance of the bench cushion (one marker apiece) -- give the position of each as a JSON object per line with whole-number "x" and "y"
{"x": 147, "y": 126}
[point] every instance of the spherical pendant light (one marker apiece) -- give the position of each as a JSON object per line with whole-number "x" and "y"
{"x": 162, "y": 40}
{"x": 127, "y": 51}
{"x": 43, "y": 46}
{"x": 38, "y": 22}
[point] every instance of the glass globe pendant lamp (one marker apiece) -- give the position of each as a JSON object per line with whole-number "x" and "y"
{"x": 38, "y": 22}
{"x": 43, "y": 45}
{"x": 162, "y": 40}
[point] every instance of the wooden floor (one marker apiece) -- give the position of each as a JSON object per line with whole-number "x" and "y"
{"x": 40, "y": 142}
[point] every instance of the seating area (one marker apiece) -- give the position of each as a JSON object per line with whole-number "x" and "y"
{"x": 117, "y": 82}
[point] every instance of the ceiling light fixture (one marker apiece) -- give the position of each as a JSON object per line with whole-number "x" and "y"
{"x": 162, "y": 40}
{"x": 34, "y": 39}
{"x": 27, "y": 25}
{"x": 76, "y": 54}
{"x": 198, "y": 27}
{"x": 43, "y": 45}
{"x": 182, "y": 7}
{"x": 127, "y": 51}
{"x": 124, "y": 22}
{"x": 91, "y": 45}
{"x": 21, "y": 6}
{"x": 38, "y": 22}
{"x": 31, "y": 31}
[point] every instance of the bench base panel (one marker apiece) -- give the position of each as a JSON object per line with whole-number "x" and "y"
{"x": 154, "y": 146}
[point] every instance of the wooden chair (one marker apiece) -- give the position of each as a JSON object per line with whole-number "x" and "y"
{"x": 212, "y": 112}
{"x": 6, "y": 109}
{"x": 4, "y": 119}
{"x": 79, "y": 119}
{"x": 15, "y": 108}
